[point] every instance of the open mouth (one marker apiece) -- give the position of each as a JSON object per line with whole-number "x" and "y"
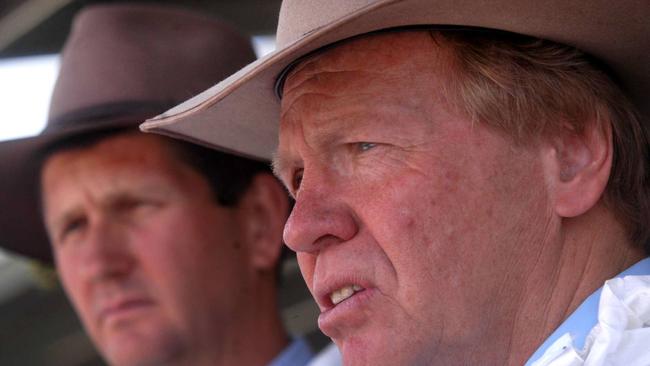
{"x": 344, "y": 293}
{"x": 347, "y": 306}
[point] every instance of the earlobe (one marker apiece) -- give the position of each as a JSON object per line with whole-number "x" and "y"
{"x": 263, "y": 211}
{"x": 579, "y": 166}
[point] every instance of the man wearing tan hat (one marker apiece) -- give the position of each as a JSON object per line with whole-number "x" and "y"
{"x": 471, "y": 177}
{"x": 168, "y": 251}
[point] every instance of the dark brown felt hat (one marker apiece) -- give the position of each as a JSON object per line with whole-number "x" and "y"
{"x": 241, "y": 113}
{"x": 121, "y": 64}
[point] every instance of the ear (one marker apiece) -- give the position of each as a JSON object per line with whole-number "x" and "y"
{"x": 578, "y": 166}
{"x": 262, "y": 211}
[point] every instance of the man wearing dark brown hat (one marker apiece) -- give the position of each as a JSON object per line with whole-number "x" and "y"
{"x": 168, "y": 251}
{"x": 471, "y": 177}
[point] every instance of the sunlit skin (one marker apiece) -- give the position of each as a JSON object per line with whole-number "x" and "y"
{"x": 158, "y": 272}
{"x": 469, "y": 248}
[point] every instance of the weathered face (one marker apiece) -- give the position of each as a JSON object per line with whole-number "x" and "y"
{"x": 414, "y": 227}
{"x": 151, "y": 263}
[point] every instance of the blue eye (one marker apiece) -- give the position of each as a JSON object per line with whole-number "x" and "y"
{"x": 365, "y": 146}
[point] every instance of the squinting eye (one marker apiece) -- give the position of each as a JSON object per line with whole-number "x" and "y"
{"x": 297, "y": 179}
{"x": 365, "y": 146}
{"x": 70, "y": 227}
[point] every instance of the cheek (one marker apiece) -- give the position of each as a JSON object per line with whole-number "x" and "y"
{"x": 179, "y": 233}
{"x": 404, "y": 214}
{"x": 175, "y": 266}
{"x": 442, "y": 227}
{"x": 65, "y": 269}
{"x": 170, "y": 247}
{"x": 194, "y": 249}
{"x": 76, "y": 289}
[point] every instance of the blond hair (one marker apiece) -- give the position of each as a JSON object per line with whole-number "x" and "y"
{"x": 530, "y": 88}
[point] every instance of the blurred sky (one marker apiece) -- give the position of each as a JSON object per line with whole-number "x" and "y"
{"x": 25, "y": 88}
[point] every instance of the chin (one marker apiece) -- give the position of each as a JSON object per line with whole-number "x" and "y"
{"x": 380, "y": 358}
{"x": 141, "y": 349}
{"x": 141, "y": 357}
{"x": 379, "y": 351}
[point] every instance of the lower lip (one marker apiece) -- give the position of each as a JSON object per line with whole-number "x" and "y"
{"x": 346, "y": 310}
{"x": 125, "y": 311}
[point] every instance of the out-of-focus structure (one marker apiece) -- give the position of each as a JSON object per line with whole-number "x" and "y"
{"x": 37, "y": 325}
{"x": 33, "y": 27}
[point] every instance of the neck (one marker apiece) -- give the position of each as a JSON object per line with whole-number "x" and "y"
{"x": 584, "y": 253}
{"x": 257, "y": 334}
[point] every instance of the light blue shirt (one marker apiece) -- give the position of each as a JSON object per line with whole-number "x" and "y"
{"x": 297, "y": 353}
{"x": 585, "y": 317}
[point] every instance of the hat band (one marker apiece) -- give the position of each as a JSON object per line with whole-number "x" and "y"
{"x": 106, "y": 111}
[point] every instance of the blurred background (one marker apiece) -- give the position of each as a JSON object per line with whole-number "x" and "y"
{"x": 37, "y": 325}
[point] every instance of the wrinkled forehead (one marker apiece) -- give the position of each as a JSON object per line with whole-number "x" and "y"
{"x": 371, "y": 70}
{"x": 377, "y": 55}
{"x": 358, "y": 81}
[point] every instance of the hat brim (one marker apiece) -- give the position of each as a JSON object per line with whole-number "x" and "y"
{"x": 21, "y": 226}
{"x": 241, "y": 114}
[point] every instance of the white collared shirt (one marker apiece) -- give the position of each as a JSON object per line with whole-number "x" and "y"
{"x": 621, "y": 335}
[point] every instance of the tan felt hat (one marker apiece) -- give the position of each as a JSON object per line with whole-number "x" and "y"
{"x": 121, "y": 64}
{"x": 240, "y": 114}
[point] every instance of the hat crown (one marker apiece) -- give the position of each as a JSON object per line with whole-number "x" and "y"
{"x": 139, "y": 54}
{"x": 299, "y": 18}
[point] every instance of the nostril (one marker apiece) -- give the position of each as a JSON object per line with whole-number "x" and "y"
{"x": 327, "y": 240}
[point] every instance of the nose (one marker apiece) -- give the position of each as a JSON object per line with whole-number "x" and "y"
{"x": 106, "y": 252}
{"x": 319, "y": 218}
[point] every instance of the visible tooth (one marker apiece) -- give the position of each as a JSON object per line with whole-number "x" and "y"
{"x": 341, "y": 294}
{"x": 344, "y": 293}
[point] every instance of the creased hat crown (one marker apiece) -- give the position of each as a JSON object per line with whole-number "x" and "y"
{"x": 143, "y": 54}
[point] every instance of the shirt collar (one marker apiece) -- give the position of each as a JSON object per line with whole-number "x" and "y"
{"x": 297, "y": 353}
{"x": 585, "y": 317}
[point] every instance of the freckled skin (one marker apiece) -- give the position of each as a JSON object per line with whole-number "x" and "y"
{"x": 450, "y": 223}
{"x": 437, "y": 207}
